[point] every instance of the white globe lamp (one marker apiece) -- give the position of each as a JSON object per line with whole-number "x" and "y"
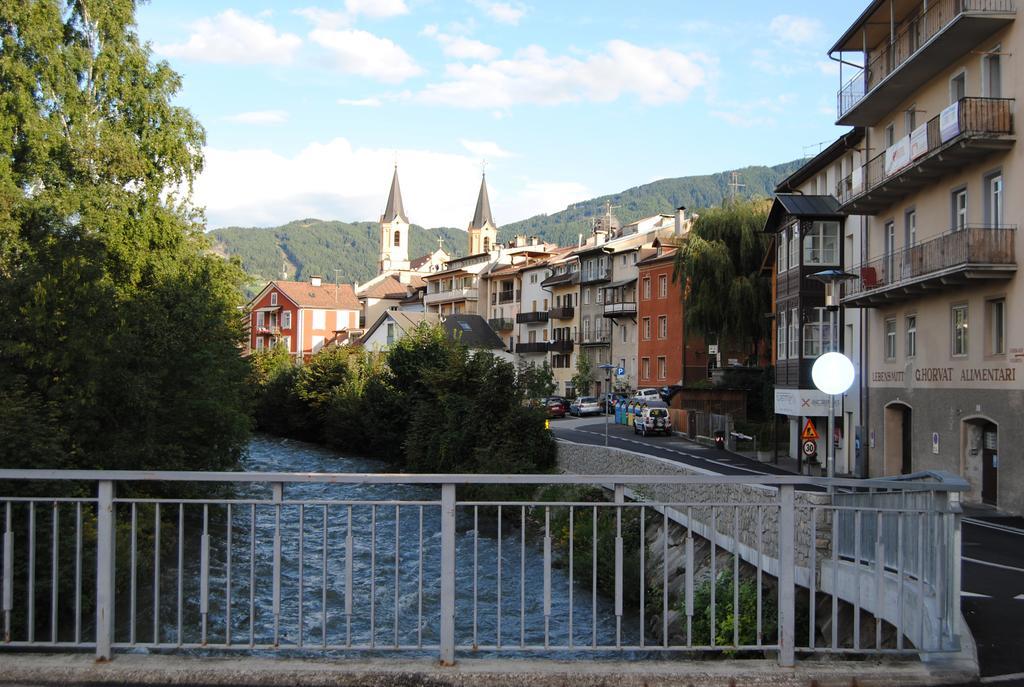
{"x": 833, "y": 374}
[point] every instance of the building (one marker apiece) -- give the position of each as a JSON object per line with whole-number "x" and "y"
{"x": 303, "y": 316}
{"x": 386, "y": 292}
{"x": 943, "y": 336}
{"x": 812, "y": 235}
{"x": 563, "y": 286}
{"x": 392, "y": 325}
{"x": 532, "y": 346}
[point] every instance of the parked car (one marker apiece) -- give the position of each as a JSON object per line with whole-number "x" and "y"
{"x": 647, "y": 395}
{"x": 653, "y": 419}
{"x": 555, "y": 405}
{"x": 585, "y": 405}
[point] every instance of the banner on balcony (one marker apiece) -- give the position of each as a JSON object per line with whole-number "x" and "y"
{"x": 897, "y": 156}
{"x": 949, "y": 122}
{"x": 919, "y": 142}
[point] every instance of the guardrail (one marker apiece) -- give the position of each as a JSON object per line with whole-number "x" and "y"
{"x": 270, "y": 568}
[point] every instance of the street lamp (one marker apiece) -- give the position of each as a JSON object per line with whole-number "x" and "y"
{"x": 607, "y": 367}
{"x": 833, "y": 374}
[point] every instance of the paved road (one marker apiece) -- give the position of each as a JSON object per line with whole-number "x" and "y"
{"x": 993, "y": 546}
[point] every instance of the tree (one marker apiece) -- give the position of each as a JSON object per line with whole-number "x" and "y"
{"x": 537, "y": 381}
{"x": 727, "y": 294}
{"x": 582, "y": 380}
{"x": 120, "y": 331}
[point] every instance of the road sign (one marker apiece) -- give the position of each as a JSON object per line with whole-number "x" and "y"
{"x": 810, "y": 448}
{"x": 809, "y": 433}
{"x": 620, "y": 371}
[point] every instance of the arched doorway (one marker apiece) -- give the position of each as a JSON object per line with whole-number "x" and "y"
{"x": 981, "y": 457}
{"x": 898, "y": 439}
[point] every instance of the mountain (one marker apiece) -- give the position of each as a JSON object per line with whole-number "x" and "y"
{"x": 349, "y": 251}
{"x": 665, "y": 195}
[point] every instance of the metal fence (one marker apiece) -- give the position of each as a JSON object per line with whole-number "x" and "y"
{"x": 266, "y": 567}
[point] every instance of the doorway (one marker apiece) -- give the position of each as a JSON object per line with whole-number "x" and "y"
{"x": 898, "y": 439}
{"x": 989, "y": 463}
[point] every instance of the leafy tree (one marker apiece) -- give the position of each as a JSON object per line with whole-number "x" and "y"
{"x": 727, "y": 293}
{"x": 583, "y": 378}
{"x": 120, "y": 331}
{"x": 537, "y": 381}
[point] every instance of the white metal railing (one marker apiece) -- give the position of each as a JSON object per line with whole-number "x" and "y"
{"x": 272, "y": 568}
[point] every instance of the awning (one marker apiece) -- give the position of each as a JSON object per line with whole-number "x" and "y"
{"x": 617, "y": 284}
{"x": 269, "y": 308}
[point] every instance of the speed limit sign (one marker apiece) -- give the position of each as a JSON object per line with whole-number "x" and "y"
{"x": 810, "y": 448}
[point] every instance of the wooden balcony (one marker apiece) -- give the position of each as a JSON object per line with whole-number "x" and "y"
{"x": 564, "y": 313}
{"x": 982, "y": 126}
{"x": 530, "y": 317}
{"x": 946, "y": 261}
{"x": 561, "y": 346}
{"x": 532, "y": 347}
{"x": 943, "y": 32}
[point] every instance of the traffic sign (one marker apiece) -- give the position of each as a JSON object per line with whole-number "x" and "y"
{"x": 809, "y": 433}
{"x": 620, "y": 371}
{"x": 810, "y": 448}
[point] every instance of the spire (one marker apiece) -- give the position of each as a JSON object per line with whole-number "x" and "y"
{"x": 482, "y": 215}
{"x": 395, "y": 207}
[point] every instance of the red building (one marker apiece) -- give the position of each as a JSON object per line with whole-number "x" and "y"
{"x": 304, "y": 316}
{"x": 661, "y": 356}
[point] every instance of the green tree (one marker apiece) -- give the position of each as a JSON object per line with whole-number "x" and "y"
{"x": 727, "y": 293}
{"x": 538, "y": 381}
{"x": 583, "y": 378}
{"x": 120, "y": 331}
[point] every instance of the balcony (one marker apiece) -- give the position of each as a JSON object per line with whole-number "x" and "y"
{"x": 532, "y": 347}
{"x": 564, "y": 313}
{"x": 922, "y": 49}
{"x": 561, "y": 346}
{"x": 466, "y": 294}
{"x": 596, "y": 276}
{"x": 508, "y": 296}
{"x": 501, "y": 324}
{"x": 529, "y": 317}
{"x": 272, "y": 329}
{"x": 598, "y": 338}
{"x": 949, "y": 260}
{"x": 620, "y": 309}
{"x": 970, "y": 129}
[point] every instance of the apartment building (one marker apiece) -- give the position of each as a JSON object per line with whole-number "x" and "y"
{"x": 563, "y": 285}
{"x": 813, "y": 236}
{"x": 532, "y": 321}
{"x": 943, "y": 331}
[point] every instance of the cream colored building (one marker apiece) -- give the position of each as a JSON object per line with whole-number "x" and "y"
{"x": 944, "y": 331}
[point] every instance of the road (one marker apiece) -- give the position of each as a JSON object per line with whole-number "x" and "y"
{"x": 992, "y": 552}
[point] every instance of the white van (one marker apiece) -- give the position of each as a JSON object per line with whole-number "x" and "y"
{"x": 647, "y": 395}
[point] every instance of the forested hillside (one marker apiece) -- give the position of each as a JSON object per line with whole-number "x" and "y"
{"x": 349, "y": 251}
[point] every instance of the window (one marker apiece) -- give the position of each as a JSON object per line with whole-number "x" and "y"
{"x": 260, "y": 318}
{"x": 586, "y": 328}
{"x": 910, "y": 119}
{"x": 647, "y": 329}
{"x": 793, "y": 343}
{"x": 288, "y": 343}
{"x": 586, "y": 296}
{"x": 647, "y": 288}
{"x": 890, "y": 135}
{"x": 794, "y": 245}
{"x": 821, "y": 246}
{"x": 645, "y": 368}
{"x": 273, "y": 297}
{"x": 994, "y": 199}
{"x": 890, "y": 338}
{"x": 319, "y": 319}
{"x": 318, "y": 342}
{"x": 259, "y": 343}
{"x": 890, "y": 249}
{"x": 819, "y": 333}
{"x": 780, "y": 335}
{"x": 600, "y": 297}
{"x": 911, "y": 325}
{"x": 286, "y": 319}
{"x": 909, "y": 228}
{"x": 960, "y": 329}
{"x": 957, "y": 87}
{"x": 959, "y": 209}
{"x": 992, "y": 73}
{"x": 398, "y": 238}
{"x": 662, "y": 367}
{"x": 663, "y": 327}
{"x": 781, "y": 251}
{"x": 996, "y": 326}
{"x": 663, "y": 286}
{"x": 487, "y": 244}
{"x": 625, "y": 333}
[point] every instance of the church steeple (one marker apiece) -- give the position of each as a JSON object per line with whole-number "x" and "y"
{"x": 483, "y": 232}
{"x": 394, "y": 208}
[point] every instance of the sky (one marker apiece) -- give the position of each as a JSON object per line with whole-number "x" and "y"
{"x": 307, "y": 107}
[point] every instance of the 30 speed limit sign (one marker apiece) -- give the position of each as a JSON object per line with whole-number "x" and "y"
{"x": 810, "y": 448}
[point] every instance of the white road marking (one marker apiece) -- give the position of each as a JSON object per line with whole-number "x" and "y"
{"x": 1009, "y": 677}
{"x": 991, "y": 564}
{"x": 1019, "y": 597}
{"x": 994, "y": 526}
{"x": 974, "y": 595}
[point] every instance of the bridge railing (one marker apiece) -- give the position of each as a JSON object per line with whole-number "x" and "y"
{"x": 359, "y": 567}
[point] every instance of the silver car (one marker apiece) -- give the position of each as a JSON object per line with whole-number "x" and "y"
{"x": 585, "y": 405}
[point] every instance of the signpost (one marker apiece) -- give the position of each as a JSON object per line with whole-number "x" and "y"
{"x": 809, "y": 433}
{"x": 810, "y": 449}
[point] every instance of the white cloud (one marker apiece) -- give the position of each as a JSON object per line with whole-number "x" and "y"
{"x": 231, "y": 37}
{"x": 362, "y": 53}
{"x": 486, "y": 149}
{"x": 533, "y": 76}
{"x": 336, "y": 180}
{"x": 460, "y": 47}
{"x": 504, "y": 12}
{"x": 324, "y": 19}
{"x": 376, "y": 8}
{"x": 793, "y": 29}
{"x": 259, "y": 117}
{"x": 360, "y": 102}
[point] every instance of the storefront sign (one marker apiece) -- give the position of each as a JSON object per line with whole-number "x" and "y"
{"x": 803, "y": 402}
{"x": 947, "y": 375}
{"x": 897, "y": 156}
{"x": 949, "y": 122}
{"x": 919, "y": 141}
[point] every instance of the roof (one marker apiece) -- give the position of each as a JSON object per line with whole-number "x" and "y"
{"x": 388, "y": 287}
{"x": 472, "y": 331}
{"x": 814, "y": 165}
{"x": 416, "y": 263}
{"x": 617, "y": 284}
{"x": 667, "y": 253}
{"x": 395, "y": 208}
{"x": 799, "y": 205}
{"x": 851, "y": 40}
{"x": 404, "y": 319}
{"x": 305, "y": 295}
{"x": 564, "y": 279}
{"x": 482, "y": 215}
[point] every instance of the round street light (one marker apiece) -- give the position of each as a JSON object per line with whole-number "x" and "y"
{"x": 832, "y": 373}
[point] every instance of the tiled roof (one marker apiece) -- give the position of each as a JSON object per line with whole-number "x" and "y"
{"x": 333, "y": 296}
{"x": 387, "y": 287}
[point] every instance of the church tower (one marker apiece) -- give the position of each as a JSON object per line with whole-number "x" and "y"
{"x": 483, "y": 233}
{"x": 394, "y": 231}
